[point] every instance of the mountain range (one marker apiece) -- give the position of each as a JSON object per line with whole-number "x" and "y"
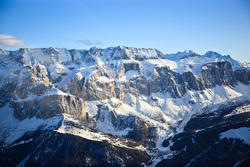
{"x": 123, "y": 106}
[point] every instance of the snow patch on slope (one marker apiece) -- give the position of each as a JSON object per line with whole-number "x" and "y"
{"x": 129, "y": 75}
{"x": 242, "y": 133}
{"x": 104, "y": 79}
{"x": 89, "y": 134}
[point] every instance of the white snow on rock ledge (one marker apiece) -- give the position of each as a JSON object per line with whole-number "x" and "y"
{"x": 241, "y": 133}
{"x": 129, "y": 75}
{"x": 89, "y": 134}
{"x": 104, "y": 79}
{"x": 55, "y": 91}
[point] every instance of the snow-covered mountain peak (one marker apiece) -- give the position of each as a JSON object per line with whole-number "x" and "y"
{"x": 188, "y": 51}
{"x": 179, "y": 55}
{"x": 94, "y": 49}
{"x": 123, "y": 53}
{"x": 120, "y": 47}
{"x": 44, "y": 56}
{"x": 212, "y": 54}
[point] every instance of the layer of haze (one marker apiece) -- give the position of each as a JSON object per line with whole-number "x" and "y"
{"x": 168, "y": 25}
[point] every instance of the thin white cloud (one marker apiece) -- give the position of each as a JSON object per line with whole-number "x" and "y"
{"x": 90, "y": 43}
{"x": 8, "y": 40}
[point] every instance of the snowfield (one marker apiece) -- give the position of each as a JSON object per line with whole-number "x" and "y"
{"x": 241, "y": 133}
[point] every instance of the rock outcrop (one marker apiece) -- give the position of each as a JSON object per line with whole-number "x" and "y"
{"x": 242, "y": 75}
{"x": 25, "y": 109}
{"x": 32, "y": 81}
{"x": 217, "y": 74}
{"x": 52, "y": 105}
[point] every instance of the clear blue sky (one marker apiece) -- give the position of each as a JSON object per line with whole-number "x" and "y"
{"x": 168, "y": 25}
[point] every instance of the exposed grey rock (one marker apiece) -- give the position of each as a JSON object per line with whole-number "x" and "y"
{"x": 95, "y": 89}
{"x": 140, "y": 130}
{"x": 192, "y": 81}
{"x": 25, "y": 109}
{"x": 32, "y": 81}
{"x": 163, "y": 80}
{"x": 167, "y": 81}
{"x": 218, "y": 73}
{"x": 140, "y": 84}
{"x": 52, "y": 105}
{"x": 132, "y": 66}
{"x": 242, "y": 75}
{"x": 190, "y": 55}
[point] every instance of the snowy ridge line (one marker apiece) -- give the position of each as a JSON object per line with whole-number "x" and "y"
{"x": 55, "y": 57}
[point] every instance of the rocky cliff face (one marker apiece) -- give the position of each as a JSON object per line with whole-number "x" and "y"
{"x": 52, "y": 105}
{"x": 31, "y": 81}
{"x": 131, "y": 93}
